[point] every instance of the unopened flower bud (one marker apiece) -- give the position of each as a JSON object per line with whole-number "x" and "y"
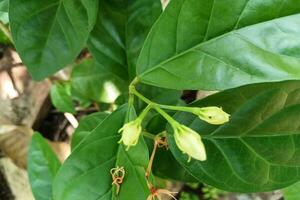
{"x": 189, "y": 142}
{"x": 212, "y": 115}
{"x": 130, "y": 133}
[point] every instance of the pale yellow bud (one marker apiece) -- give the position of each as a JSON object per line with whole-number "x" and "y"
{"x": 130, "y": 133}
{"x": 213, "y": 115}
{"x": 189, "y": 142}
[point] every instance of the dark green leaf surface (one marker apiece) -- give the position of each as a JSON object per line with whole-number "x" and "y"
{"x": 221, "y": 44}
{"x": 42, "y": 167}
{"x": 158, "y": 95}
{"x": 61, "y": 98}
{"x": 292, "y": 192}
{"x": 86, "y": 125}
{"x": 120, "y": 31}
{"x": 50, "y": 34}
{"x": 86, "y": 173}
{"x": 95, "y": 83}
{"x": 259, "y": 148}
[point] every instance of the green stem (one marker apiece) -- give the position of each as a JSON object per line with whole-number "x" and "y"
{"x": 144, "y": 112}
{"x": 6, "y": 31}
{"x": 177, "y": 108}
{"x": 139, "y": 95}
{"x": 148, "y": 135}
{"x": 156, "y": 106}
{"x": 131, "y": 86}
{"x": 171, "y": 121}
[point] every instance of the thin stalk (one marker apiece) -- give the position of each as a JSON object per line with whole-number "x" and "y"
{"x": 148, "y": 171}
{"x": 177, "y": 108}
{"x": 139, "y": 95}
{"x": 145, "y": 112}
{"x": 171, "y": 121}
{"x": 149, "y": 135}
{"x": 132, "y": 85}
{"x": 6, "y": 31}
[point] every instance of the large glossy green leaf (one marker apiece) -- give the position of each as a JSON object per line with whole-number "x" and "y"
{"x": 259, "y": 148}
{"x": 221, "y": 44}
{"x": 95, "y": 83}
{"x": 86, "y": 125}
{"x": 50, "y": 34}
{"x": 86, "y": 173}
{"x": 61, "y": 98}
{"x": 292, "y": 192}
{"x": 120, "y": 31}
{"x": 42, "y": 167}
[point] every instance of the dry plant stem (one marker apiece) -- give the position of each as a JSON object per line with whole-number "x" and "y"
{"x": 117, "y": 175}
{"x": 151, "y": 159}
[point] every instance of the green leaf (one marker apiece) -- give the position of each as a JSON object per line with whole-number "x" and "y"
{"x": 42, "y": 167}
{"x": 120, "y": 31}
{"x": 86, "y": 173}
{"x": 50, "y": 34}
{"x": 258, "y": 149}
{"x": 4, "y": 11}
{"x": 96, "y": 83}
{"x": 216, "y": 45}
{"x": 292, "y": 192}
{"x": 61, "y": 98}
{"x": 86, "y": 125}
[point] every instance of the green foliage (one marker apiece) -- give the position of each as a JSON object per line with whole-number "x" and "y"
{"x": 257, "y": 149}
{"x": 50, "y": 34}
{"x": 61, "y": 97}
{"x": 119, "y": 33}
{"x": 95, "y": 83}
{"x": 86, "y": 125}
{"x": 104, "y": 153}
{"x": 292, "y": 192}
{"x": 4, "y": 11}
{"x": 192, "y": 44}
{"x": 42, "y": 167}
{"x": 142, "y": 59}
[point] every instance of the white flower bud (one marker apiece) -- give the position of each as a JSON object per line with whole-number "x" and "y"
{"x": 212, "y": 115}
{"x": 189, "y": 142}
{"x": 130, "y": 133}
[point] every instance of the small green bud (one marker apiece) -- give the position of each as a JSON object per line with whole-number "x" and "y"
{"x": 130, "y": 133}
{"x": 212, "y": 115}
{"x": 189, "y": 142}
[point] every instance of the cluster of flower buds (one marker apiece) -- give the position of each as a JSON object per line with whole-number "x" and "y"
{"x": 187, "y": 140}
